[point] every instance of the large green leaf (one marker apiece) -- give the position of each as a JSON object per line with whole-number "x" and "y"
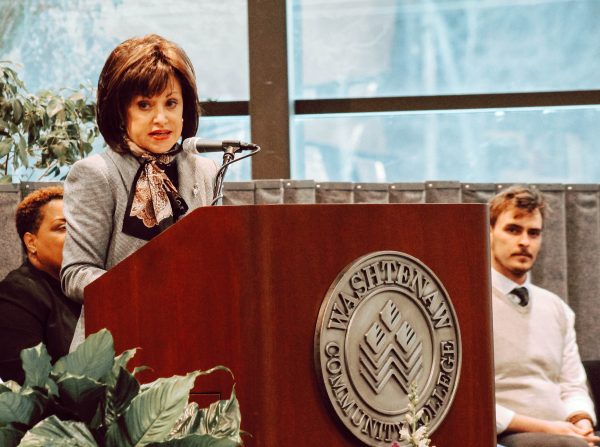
{"x": 196, "y": 441}
{"x": 152, "y": 413}
{"x": 11, "y": 75}
{"x": 207, "y": 372}
{"x": 22, "y": 152}
{"x": 139, "y": 369}
{"x": 5, "y": 146}
{"x": 126, "y": 389}
{"x": 16, "y": 408}
{"x": 17, "y": 111}
{"x": 77, "y": 96}
{"x": 221, "y": 419}
{"x": 4, "y": 125}
{"x": 52, "y": 432}
{"x": 92, "y": 358}
{"x": 120, "y": 361}
{"x": 120, "y": 395}
{"x": 81, "y": 395}
{"x": 187, "y": 423}
{"x": 9, "y": 436}
{"x": 10, "y": 386}
{"x": 41, "y": 402}
{"x": 54, "y": 106}
{"x": 37, "y": 366}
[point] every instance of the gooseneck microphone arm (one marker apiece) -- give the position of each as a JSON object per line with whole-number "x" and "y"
{"x": 229, "y": 149}
{"x": 228, "y": 158}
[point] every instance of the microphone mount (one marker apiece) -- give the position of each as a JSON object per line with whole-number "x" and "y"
{"x": 203, "y": 145}
{"x": 230, "y": 148}
{"x": 239, "y": 146}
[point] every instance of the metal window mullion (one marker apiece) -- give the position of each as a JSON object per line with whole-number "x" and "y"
{"x": 448, "y": 102}
{"x": 269, "y": 92}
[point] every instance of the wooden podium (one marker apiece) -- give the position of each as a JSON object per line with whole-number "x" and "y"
{"x": 242, "y": 287}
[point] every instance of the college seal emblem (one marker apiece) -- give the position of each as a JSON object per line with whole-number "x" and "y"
{"x": 387, "y": 322}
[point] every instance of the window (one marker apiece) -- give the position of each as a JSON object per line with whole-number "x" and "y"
{"x": 63, "y": 43}
{"x": 401, "y": 67}
{"x": 358, "y": 90}
{"x": 382, "y": 48}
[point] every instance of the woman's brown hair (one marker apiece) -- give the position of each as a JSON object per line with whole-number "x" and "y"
{"x": 143, "y": 66}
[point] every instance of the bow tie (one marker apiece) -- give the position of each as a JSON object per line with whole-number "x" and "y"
{"x": 522, "y": 294}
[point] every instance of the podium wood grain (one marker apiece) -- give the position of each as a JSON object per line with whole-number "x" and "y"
{"x": 242, "y": 287}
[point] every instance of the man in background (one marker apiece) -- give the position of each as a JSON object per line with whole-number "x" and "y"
{"x": 33, "y": 308}
{"x": 542, "y": 399}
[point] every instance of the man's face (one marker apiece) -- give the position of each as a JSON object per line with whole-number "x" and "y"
{"x": 515, "y": 242}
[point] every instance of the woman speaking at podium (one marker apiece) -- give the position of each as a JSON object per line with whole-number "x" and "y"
{"x": 145, "y": 181}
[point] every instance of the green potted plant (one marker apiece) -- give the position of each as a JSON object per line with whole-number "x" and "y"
{"x": 42, "y": 133}
{"x": 88, "y": 398}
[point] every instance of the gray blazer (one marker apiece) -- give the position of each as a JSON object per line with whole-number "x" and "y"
{"x": 95, "y": 198}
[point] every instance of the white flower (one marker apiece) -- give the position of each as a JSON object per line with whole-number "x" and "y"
{"x": 420, "y": 436}
{"x": 405, "y": 433}
{"x": 420, "y": 433}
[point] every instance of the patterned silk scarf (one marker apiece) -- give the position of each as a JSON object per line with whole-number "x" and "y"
{"x": 154, "y": 203}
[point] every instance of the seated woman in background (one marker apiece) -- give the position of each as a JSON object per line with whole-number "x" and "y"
{"x": 33, "y": 308}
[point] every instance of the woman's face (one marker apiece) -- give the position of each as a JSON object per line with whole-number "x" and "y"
{"x": 48, "y": 240}
{"x": 155, "y": 123}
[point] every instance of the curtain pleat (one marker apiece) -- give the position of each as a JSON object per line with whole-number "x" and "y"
{"x": 442, "y": 192}
{"x": 407, "y": 193}
{"x": 478, "y": 192}
{"x": 583, "y": 261}
{"x": 268, "y": 192}
{"x": 334, "y": 192}
{"x": 299, "y": 191}
{"x": 10, "y": 246}
{"x": 371, "y": 193}
{"x": 550, "y": 270}
{"x": 238, "y": 193}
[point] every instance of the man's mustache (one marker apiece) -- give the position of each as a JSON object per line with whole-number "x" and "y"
{"x": 523, "y": 253}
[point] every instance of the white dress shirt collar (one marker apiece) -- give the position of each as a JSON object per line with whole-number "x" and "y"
{"x": 505, "y": 285}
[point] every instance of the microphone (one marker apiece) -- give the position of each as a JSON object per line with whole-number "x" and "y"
{"x": 202, "y": 145}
